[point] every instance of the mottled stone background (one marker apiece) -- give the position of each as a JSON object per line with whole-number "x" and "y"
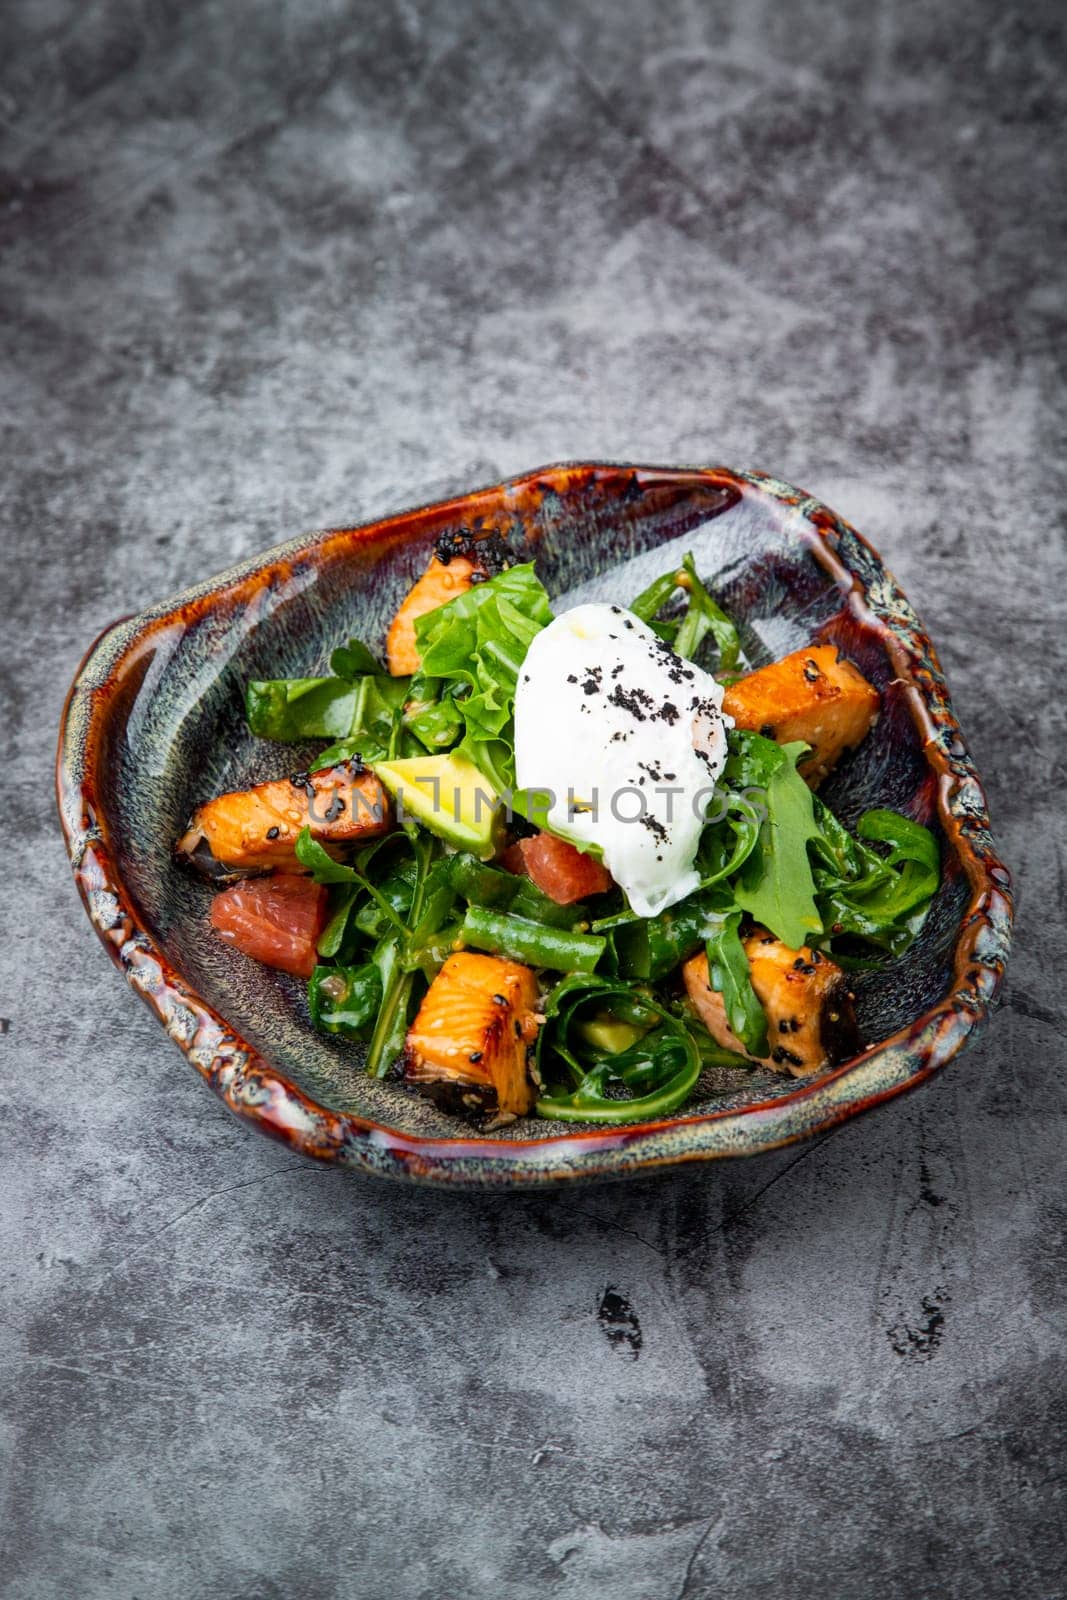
{"x": 265, "y": 267}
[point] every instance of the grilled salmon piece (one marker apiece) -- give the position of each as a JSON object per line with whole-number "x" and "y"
{"x": 468, "y": 1045}
{"x": 815, "y": 695}
{"x": 440, "y": 583}
{"x": 810, "y": 1021}
{"x": 253, "y": 830}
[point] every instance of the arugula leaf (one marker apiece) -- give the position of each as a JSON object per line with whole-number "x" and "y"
{"x": 913, "y": 848}
{"x": 650, "y": 602}
{"x": 319, "y": 862}
{"x": 586, "y": 1083}
{"x": 396, "y": 890}
{"x": 377, "y": 732}
{"x": 727, "y": 843}
{"x": 405, "y": 910}
{"x": 492, "y": 888}
{"x": 289, "y": 709}
{"x": 702, "y": 616}
{"x": 882, "y": 899}
{"x": 730, "y": 976}
{"x": 776, "y": 885}
{"x": 477, "y": 642}
{"x": 414, "y": 953}
{"x": 651, "y": 947}
{"x": 333, "y": 935}
{"x": 345, "y": 1000}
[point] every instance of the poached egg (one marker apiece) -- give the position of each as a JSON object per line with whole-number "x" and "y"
{"x": 629, "y": 739}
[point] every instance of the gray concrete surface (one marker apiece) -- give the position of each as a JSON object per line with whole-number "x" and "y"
{"x": 264, "y": 267}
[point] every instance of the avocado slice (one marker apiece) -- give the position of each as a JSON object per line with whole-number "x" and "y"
{"x": 448, "y": 795}
{"x": 605, "y": 1032}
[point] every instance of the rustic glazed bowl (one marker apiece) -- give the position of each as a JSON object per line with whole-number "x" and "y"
{"x": 154, "y": 724}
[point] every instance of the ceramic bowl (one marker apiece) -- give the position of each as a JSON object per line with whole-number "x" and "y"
{"x": 153, "y": 724}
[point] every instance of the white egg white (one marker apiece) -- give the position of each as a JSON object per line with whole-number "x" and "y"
{"x": 630, "y": 739}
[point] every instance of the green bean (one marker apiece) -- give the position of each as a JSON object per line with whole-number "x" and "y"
{"x": 532, "y": 942}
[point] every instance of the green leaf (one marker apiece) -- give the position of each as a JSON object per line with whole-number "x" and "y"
{"x": 863, "y": 893}
{"x": 477, "y": 643}
{"x": 651, "y": 947}
{"x": 492, "y": 888}
{"x": 909, "y": 841}
{"x": 319, "y": 862}
{"x": 650, "y": 602}
{"x": 374, "y": 918}
{"x": 362, "y": 712}
{"x": 702, "y": 616}
{"x": 345, "y": 1000}
{"x": 775, "y": 885}
{"x": 587, "y": 1082}
{"x": 354, "y": 660}
{"x": 411, "y": 954}
{"x": 290, "y": 709}
{"x": 726, "y": 845}
{"x": 332, "y": 936}
{"x": 729, "y": 974}
{"x": 431, "y": 713}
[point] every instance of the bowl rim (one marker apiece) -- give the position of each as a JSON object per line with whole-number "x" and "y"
{"x": 260, "y": 1093}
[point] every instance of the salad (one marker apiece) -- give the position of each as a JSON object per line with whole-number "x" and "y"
{"x": 564, "y": 863}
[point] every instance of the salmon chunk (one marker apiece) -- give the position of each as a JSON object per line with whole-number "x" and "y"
{"x": 814, "y": 695}
{"x": 439, "y": 584}
{"x": 253, "y": 830}
{"x": 468, "y": 1045}
{"x": 805, "y": 996}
